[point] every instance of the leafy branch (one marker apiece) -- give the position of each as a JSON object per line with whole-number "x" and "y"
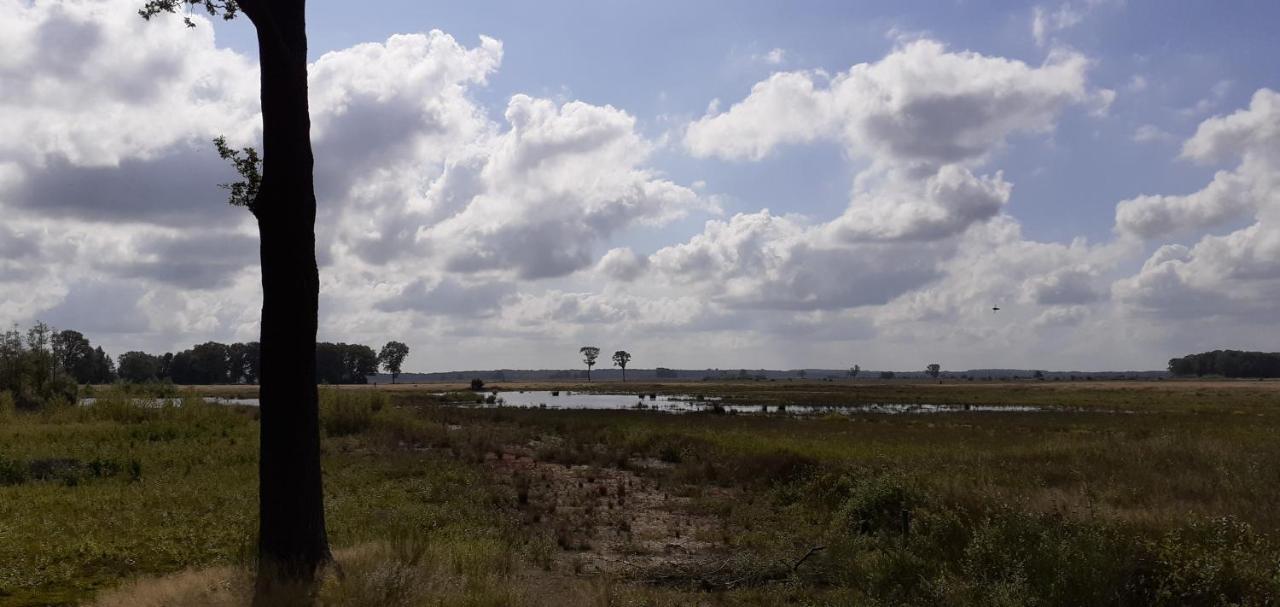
{"x": 227, "y": 8}
{"x": 248, "y": 164}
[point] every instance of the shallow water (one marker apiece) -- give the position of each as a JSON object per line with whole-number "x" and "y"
{"x": 670, "y": 403}
{"x": 159, "y": 402}
{"x": 686, "y": 403}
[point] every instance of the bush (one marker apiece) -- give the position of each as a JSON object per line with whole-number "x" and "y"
{"x": 477, "y": 384}
{"x": 346, "y": 412}
{"x": 7, "y": 405}
{"x": 879, "y": 504}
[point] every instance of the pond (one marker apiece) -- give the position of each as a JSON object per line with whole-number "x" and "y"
{"x": 670, "y": 403}
{"x": 686, "y": 403}
{"x": 159, "y": 402}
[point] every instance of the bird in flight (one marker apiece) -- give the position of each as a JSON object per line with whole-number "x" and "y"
{"x": 995, "y": 308}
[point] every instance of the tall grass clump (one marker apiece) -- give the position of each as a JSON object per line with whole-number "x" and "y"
{"x": 347, "y": 412}
{"x": 8, "y": 407}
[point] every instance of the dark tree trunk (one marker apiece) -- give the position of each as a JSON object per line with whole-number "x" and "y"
{"x": 292, "y": 542}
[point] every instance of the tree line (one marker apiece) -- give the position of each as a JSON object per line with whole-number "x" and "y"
{"x": 239, "y": 363}
{"x": 1227, "y": 363}
{"x": 43, "y": 365}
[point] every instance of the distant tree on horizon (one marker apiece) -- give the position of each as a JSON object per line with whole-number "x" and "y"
{"x": 391, "y": 357}
{"x": 589, "y": 356}
{"x": 855, "y": 371}
{"x": 620, "y": 359}
{"x": 80, "y": 359}
{"x": 138, "y": 367}
{"x": 933, "y": 370}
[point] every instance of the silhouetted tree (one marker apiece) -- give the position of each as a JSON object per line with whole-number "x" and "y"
{"x": 589, "y": 356}
{"x": 29, "y": 370}
{"x": 391, "y": 357}
{"x": 78, "y": 358}
{"x": 1227, "y": 363}
{"x": 292, "y": 541}
{"x": 621, "y": 358}
{"x": 345, "y": 363}
{"x": 855, "y": 371}
{"x": 210, "y": 363}
{"x": 933, "y": 370}
{"x": 243, "y": 363}
{"x": 138, "y": 367}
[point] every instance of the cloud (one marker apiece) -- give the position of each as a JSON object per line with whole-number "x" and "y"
{"x": 1232, "y": 275}
{"x": 764, "y": 261}
{"x": 899, "y": 208}
{"x": 450, "y": 297}
{"x": 926, "y": 118}
{"x": 920, "y": 105}
{"x": 90, "y": 84}
{"x": 623, "y": 264}
{"x": 99, "y": 308}
{"x": 1252, "y": 136}
{"x": 539, "y": 199}
{"x": 199, "y": 261}
{"x": 1150, "y": 133}
{"x": 1047, "y": 22}
{"x": 775, "y": 57}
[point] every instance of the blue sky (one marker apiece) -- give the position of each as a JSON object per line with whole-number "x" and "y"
{"x": 669, "y": 59}
{"x": 535, "y": 175}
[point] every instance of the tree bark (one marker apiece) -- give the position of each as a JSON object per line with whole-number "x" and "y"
{"x": 292, "y": 541}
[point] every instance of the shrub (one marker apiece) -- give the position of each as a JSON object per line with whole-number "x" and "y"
{"x": 477, "y": 384}
{"x": 346, "y": 412}
{"x": 7, "y": 405}
{"x": 12, "y": 472}
{"x": 879, "y": 504}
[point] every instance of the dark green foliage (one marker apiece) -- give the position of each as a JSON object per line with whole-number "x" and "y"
{"x": 248, "y": 164}
{"x": 83, "y": 362}
{"x": 226, "y": 8}
{"x": 344, "y": 363}
{"x": 1227, "y": 363}
{"x": 391, "y": 357}
{"x": 30, "y": 371}
{"x": 879, "y": 505}
{"x": 343, "y": 413}
{"x": 589, "y": 356}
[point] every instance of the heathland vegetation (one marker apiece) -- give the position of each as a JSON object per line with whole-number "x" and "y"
{"x": 1122, "y": 493}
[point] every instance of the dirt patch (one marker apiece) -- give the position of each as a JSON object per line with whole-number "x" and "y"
{"x": 610, "y": 520}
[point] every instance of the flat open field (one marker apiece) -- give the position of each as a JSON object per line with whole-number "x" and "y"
{"x": 1121, "y": 493}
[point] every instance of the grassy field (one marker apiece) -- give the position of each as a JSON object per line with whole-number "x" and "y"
{"x": 1127, "y": 493}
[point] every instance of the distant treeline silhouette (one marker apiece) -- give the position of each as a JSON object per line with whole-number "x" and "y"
{"x": 238, "y": 363}
{"x": 42, "y": 365}
{"x": 1227, "y": 363}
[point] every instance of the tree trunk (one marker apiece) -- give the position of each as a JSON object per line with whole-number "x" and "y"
{"x": 292, "y": 542}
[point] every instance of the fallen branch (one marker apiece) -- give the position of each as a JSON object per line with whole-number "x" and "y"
{"x": 808, "y": 554}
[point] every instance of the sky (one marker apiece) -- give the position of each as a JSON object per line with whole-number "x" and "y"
{"x": 776, "y": 184}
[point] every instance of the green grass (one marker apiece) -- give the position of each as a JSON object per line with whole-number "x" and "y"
{"x": 192, "y": 502}
{"x": 1172, "y": 504}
